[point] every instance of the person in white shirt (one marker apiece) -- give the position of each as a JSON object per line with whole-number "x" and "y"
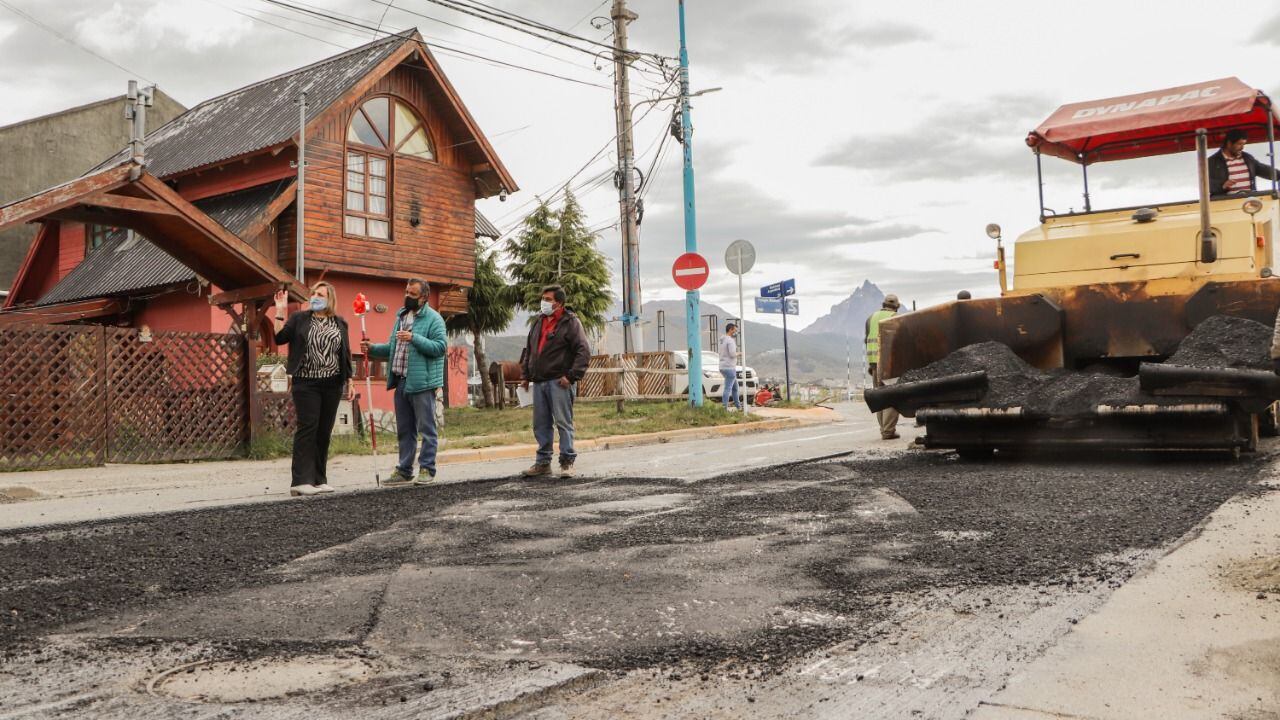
{"x": 729, "y": 366}
{"x": 1232, "y": 171}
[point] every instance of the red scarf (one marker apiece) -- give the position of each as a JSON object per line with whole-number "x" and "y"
{"x": 549, "y": 323}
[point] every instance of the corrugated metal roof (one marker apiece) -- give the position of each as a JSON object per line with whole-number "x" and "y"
{"x": 124, "y": 263}
{"x": 234, "y": 211}
{"x": 258, "y": 116}
{"x": 484, "y": 228}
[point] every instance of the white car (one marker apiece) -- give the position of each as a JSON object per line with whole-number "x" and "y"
{"x": 712, "y": 380}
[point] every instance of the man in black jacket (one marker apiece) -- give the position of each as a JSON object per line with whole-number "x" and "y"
{"x": 555, "y": 358}
{"x": 1234, "y": 171}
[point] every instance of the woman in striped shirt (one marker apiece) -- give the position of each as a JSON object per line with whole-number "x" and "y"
{"x": 320, "y": 363}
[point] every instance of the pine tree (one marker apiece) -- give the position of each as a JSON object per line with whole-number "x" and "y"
{"x": 491, "y": 305}
{"x": 557, "y": 248}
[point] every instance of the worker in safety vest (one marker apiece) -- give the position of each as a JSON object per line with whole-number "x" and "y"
{"x": 888, "y": 418}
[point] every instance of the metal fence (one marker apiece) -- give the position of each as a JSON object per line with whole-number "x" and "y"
{"x": 83, "y": 395}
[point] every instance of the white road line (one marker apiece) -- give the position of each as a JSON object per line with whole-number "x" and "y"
{"x": 800, "y": 440}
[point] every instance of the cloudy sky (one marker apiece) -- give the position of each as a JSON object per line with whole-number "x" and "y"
{"x": 850, "y": 140}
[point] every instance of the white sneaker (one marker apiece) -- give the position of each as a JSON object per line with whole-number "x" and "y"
{"x": 324, "y": 488}
{"x": 297, "y": 490}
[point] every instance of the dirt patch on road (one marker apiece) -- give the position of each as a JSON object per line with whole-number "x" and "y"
{"x": 1259, "y": 576}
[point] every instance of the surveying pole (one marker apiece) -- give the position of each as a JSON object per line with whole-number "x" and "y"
{"x": 302, "y": 186}
{"x": 626, "y": 191}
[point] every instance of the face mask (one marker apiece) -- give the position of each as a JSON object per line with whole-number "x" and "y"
{"x": 318, "y": 304}
{"x": 410, "y": 303}
{"x": 546, "y": 307}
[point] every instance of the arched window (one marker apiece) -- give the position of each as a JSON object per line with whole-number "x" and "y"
{"x": 379, "y": 128}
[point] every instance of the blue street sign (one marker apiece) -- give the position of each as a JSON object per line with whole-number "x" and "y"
{"x": 779, "y": 289}
{"x": 773, "y": 305}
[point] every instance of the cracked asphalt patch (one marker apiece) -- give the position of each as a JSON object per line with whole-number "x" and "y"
{"x": 740, "y": 575}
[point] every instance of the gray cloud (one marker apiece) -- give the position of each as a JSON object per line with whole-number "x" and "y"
{"x": 735, "y": 36}
{"x": 978, "y": 140}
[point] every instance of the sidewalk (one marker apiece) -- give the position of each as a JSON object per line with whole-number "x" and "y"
{"x": 59, "y": 496}
{"x": 1193, "y": 637}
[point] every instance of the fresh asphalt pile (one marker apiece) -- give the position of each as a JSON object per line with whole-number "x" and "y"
{"x": 1217, "y": 342}
{"x": 767, "y": 545}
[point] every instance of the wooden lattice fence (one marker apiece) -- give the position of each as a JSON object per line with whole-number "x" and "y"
{"x": 633, "y": 376}
{"x": 83, "y": 395}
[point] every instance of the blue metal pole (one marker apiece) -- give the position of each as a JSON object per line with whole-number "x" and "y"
{"x": 692, "y": 304}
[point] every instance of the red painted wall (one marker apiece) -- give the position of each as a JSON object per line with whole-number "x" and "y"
{"x": 457, "y": 377}
{"x": 181, "y": 312}
{"x": 70, "y": 247}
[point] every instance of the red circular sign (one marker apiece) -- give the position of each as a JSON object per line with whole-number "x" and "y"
{"x": 690, "y": 271}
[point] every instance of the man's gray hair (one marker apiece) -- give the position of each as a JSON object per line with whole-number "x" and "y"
{"x": 423, "y": 287}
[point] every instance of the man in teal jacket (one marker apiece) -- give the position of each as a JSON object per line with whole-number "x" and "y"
{"x": 415, "y": 372}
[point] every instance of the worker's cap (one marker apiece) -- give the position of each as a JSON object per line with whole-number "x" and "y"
{"x": 892, "y": 301}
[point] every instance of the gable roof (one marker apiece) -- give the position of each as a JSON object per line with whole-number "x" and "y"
{"x": 265, "y": 114}
{"x": 257, "y": 116}
{"x": 127, "y": 196}
{"x": 129, "y": 262}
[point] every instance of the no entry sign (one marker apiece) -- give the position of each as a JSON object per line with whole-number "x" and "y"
{"x": 690, "y": 271}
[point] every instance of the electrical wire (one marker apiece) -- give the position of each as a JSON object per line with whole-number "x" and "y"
{"x": 463, "y": 28}
{"x": 477, "y": 6}
{"x": 54, "y": 32}
{"x": 557, "y": 188}
{"x": 443, "y": 48}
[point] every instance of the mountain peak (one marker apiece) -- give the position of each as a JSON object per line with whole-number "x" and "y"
{"x": 849, "y": 315}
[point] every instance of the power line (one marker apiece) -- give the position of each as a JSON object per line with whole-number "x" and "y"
{"x": 558, "y": 186}
{"x": 54, "y": 32}
{"x": 482, "y": 7}
{"x": 440, "y": 46}
{"x": 280, "y": 27}
{"x": 463, "y": 28}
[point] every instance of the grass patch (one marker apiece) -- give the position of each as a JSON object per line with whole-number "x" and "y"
{"x": 470, "y": 428}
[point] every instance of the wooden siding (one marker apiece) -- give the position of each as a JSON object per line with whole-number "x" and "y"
{"x": 441, "y": 247}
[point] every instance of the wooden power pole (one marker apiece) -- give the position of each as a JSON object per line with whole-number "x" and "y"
{"x": 626, "y": 190}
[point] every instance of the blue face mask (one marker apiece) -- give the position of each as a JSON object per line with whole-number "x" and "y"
{"x": 318, "y": 304}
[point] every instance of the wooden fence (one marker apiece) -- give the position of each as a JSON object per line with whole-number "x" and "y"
{"x": 633, "y": 376}
{"x": 83, "y": 395}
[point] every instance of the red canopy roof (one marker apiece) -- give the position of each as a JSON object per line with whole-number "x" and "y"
{"x": 1152, "y": 123}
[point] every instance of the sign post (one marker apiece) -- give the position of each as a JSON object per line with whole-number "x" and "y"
{"x": 741, "y": 257}
{"x": 690, "y": 271}
{"x": 781, "y": 292}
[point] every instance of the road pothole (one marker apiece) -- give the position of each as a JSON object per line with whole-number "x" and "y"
{"x": 234, "y": 681}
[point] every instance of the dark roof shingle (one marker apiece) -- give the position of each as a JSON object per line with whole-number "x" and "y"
{"x": 124, "y": 263}
{"x": 235, "y": 210}
{"x": 257, "y": 116}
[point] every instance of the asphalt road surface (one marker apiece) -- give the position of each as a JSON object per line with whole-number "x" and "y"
{"x": 906, "y": 584}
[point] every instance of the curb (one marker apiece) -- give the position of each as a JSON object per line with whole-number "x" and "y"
{"x": 612, "y": 442}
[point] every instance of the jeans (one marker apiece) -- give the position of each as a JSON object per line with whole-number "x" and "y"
{"x": 729, "y": 391}
{"x": 552, "y": 411}
{"x": 416, "y": 417}
{"x": 316, "y": 405}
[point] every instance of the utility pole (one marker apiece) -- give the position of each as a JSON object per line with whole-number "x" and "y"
{"x": 626, "y": 191}
{"x": 302, "y": 182}
{"x": 692, "y": 303}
